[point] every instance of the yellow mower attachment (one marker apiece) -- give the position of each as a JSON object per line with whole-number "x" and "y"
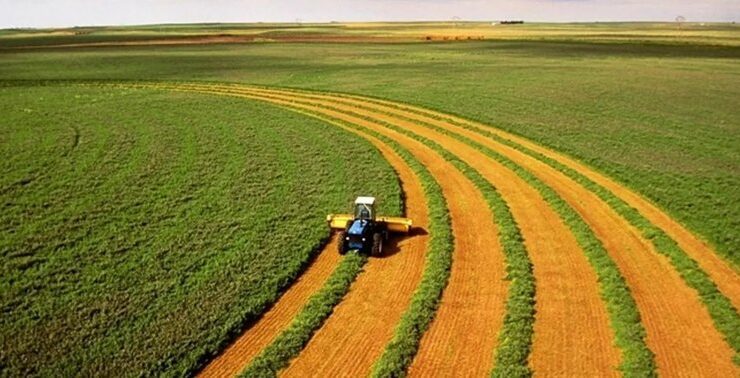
{"x": 364, "y": 231}
{"x": 393, "y": 224}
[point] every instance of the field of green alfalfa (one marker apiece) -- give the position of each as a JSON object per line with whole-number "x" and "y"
{"x": 128, "y": 245}
{"x": 142, "y": 229}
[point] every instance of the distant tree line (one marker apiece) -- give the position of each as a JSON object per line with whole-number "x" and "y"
{"x": 511, "y": 22}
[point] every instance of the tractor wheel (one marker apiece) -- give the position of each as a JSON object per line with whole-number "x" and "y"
{"x": 341, "y": 243}
{"x": 377, "y": 244}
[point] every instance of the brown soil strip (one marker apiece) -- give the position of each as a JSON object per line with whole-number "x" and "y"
{"x": 572, "y": 332}
{"x": 680, "y": 329}
{"x": 722, "y": 273}
{"x": 237, "y": 355}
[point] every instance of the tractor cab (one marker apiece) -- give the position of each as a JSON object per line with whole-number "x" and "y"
{"x": 365, "y": 208}
{"x": 362, "y": 233}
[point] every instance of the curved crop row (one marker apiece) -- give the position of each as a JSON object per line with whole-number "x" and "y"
{"x": 511, "y": 358}
{"x": 141, "y": 223}
{"x": 639, "y": 359}
{"x": 720, "y": 307}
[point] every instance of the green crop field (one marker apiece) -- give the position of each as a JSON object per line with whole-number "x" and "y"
{"x": 143, "y": 229}
{"x": 165, "y": 229}
{"x": 661, "y": 118}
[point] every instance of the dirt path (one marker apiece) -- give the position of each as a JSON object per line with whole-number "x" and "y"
{"x": 684, "y": 341}
{"x": 250, "y": 343}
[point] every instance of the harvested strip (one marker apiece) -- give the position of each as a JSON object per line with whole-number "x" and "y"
{"x": 476, "y": 289}
{"x": 723, "y": 273}
{"x": 237, "y": 355}
{"x": 684, "y": 341}
{"x": 571, "y": 316}
{"x": 290, "y": 342}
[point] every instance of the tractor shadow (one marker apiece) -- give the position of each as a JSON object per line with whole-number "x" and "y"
{"x": 392, "y": 246}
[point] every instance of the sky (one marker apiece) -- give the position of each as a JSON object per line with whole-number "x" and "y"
{"x": 63, "y": 13}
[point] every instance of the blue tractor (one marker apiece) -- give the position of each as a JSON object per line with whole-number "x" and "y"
{"x": 363, "y": 231}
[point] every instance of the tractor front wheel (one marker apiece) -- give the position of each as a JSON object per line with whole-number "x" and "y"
{"x": 377, "y": 244}
{"x": 341, "y": 243}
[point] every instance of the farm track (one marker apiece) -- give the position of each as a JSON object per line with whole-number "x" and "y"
{"x": 253, "y": 340}
{"x": 679, "y": 329}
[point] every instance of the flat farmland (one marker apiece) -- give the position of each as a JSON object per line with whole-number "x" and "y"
{"x": 573, "y": 188}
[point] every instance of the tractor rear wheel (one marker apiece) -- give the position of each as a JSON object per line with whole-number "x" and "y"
{"x": 377, "y": 244}
{"x": 341, "y": 245}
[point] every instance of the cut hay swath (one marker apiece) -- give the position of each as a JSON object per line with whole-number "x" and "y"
{"x": 685, "y": 295}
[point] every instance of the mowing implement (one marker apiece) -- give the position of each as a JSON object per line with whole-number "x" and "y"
{"x": 363, "y": 231}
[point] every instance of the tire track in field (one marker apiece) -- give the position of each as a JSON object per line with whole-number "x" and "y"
{"x": 684, "y": 341}
{"x": 571, "y": 316}
{"x": 250, "y": 343}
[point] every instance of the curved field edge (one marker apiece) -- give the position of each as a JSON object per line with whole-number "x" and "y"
{"x": 174, "y": 358}
{"x": 291, "y": 341}
{"x": 723, "y": 313}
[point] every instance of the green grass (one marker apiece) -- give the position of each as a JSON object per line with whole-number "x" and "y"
{"x": 142, "y": 230}
{"x": 660, "y": 118}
